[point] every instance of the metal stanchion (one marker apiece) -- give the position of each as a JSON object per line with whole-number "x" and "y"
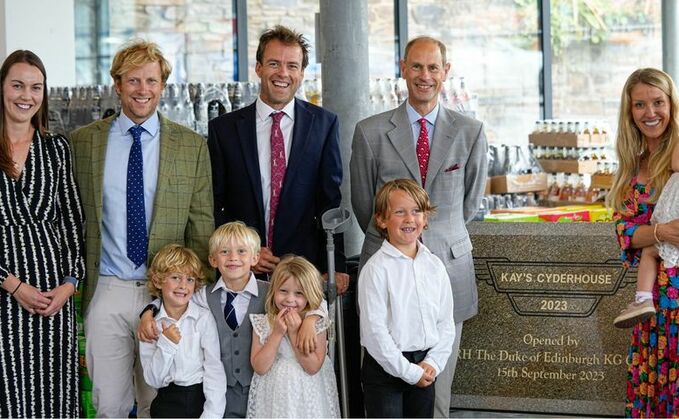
{"x": 336, "y": 221}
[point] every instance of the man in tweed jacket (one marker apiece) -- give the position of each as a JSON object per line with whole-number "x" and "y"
{"x": 177, "y": 191}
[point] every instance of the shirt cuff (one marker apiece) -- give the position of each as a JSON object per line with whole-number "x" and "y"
{"x": 70, "y": 280}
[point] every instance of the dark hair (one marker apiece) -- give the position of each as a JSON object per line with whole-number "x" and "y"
{"x": 286, "y": 36}
{"x": 39, "y": 120}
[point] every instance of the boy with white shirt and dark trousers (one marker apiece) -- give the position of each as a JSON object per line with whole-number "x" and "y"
{"x": 181, "y": 363}
{"x": 406, "y": 308}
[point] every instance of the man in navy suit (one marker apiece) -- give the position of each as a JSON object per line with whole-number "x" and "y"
{"x": 246, "y": 176}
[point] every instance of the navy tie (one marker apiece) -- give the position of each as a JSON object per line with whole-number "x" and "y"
{"x": 137, "y": 241}
{"x": 230, "y": 311}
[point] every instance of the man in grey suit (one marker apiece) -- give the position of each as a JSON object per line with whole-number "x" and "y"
{"x": 444, "y": 150}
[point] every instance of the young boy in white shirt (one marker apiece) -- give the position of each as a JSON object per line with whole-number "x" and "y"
{"x": 406, "y": 308}
{"x": 184, "y": 363}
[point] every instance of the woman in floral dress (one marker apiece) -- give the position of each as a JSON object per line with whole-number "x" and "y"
{"x": 648, "y": 131}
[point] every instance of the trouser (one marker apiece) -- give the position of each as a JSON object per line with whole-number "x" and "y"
{"x": 386, "y": 396}
{"x": 112, "y": 348}
{"x": 236, "y": 401}
{"x": 175, "y": 401}
{"x": 444, "y": 381}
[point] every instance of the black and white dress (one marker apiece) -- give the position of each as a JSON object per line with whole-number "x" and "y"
{"x": 41, "y": 242}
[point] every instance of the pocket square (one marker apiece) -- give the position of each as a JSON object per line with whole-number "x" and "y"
{"x": 451, "y": 168}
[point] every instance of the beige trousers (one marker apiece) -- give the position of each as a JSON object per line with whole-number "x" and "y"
{"x": 112, "y": 348}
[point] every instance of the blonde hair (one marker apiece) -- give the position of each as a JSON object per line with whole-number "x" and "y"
{"x": 236, "y": 231}
{"x": 409, "y": 186}
{"x": 630, "y": 144}
{"x": 174, "y": 258}
{"x": 307, "y": 276}
{"x": 137, "y": 53}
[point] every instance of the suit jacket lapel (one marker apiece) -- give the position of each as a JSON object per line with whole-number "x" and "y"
{"x": 440, "y": 144}
{"x": 301, "y": 133}
{"x": 401, "y": 138}
{"x": 247, "y": 137}
{"x": 99, "y": 143}
{"x": 169, "y": 147}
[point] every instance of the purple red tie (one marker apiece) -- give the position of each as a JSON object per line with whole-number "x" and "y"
{"x": 278, "y": 166}
{"x": 422, "y": 149}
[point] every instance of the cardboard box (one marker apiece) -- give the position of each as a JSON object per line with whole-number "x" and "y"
{"x": 564, "y": 216}
{"x": 568, "y": 166}
{"x": 519, "y": 183}
{"x": 602, "y": 181}
{"x": 567, "y": 139}
{"x": 511, "y": 218}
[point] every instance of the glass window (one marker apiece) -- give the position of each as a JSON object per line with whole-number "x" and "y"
{"x": 597, "y": 44}
{"x": 382, "y": 42}
{"x": 299, "y": 15}
{"x": 494, "y": 45}
{"x": 196, "y": 36}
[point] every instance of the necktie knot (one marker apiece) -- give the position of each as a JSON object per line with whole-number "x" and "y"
{"x": 277, "y": 116}
{"x": 423, "y": 122}
{"x": 136, "y": 131}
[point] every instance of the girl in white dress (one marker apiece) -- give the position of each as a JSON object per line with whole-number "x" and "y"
{"x": 666, "y": 210}
{"x": 286, "y": 382}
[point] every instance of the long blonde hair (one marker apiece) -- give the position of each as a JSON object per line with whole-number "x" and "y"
{"x": 630, "y": 144}
{"x": 309, "y": 280}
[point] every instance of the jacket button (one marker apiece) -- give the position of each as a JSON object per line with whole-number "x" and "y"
{"x": 236, "y": 352}
{"x": 237, "y": 370}
{"x": 235, "y": 334}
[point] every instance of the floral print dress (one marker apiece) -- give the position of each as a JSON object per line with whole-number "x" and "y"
{"x": 653, "y": 357}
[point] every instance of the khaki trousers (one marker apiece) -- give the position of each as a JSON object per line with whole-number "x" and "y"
{"x": 112, "y": 348}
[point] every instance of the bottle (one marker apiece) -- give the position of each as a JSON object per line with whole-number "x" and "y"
{"x": 200, "y": 110}
{"x": 464, "y": 96}
{"x": 554, "y": 190}
{"x": 580, "y": 192}
{"x": 567, "y": 188}
{"x": 237, "y": 101}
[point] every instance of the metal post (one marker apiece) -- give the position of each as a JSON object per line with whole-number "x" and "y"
{"x": 670, "y": 48}
{"x": 344, "y": 30}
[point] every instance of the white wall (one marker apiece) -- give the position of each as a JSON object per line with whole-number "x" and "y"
{"x": 44, "y": 27}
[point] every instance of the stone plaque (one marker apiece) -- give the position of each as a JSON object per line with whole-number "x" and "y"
{"x": 544, "y": 339}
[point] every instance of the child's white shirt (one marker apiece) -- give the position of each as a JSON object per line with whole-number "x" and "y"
{"x": 406, "y": 305}
{"x": 195, "y": 359}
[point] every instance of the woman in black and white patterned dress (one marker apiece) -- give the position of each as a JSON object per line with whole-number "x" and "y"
{"x": 41, "y": 241}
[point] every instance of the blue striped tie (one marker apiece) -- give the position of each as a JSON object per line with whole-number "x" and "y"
{"x": 137, "y": 240}
{"x": 230, "y": 311}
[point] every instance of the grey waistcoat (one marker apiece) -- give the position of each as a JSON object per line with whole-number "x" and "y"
{"x": 236, "y": 344}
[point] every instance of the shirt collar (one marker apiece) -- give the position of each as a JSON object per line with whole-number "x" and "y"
{"x": 413, "y": 116}
{"x": 191, "y": 311}
{"x": 391, "y": 250}
{"x": 151, "y": 125}
{"x": 264, "y": 110}
{"x": 250, "y": 287}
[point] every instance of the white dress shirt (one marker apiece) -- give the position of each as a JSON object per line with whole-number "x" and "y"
{"x": 263, "y": 125}
{"x": 406, "y": 305}
{"x": 195, "y": 359}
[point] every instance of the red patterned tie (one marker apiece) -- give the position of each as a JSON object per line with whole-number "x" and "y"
{"x": 277, "y": 171}
{"x": 422, "y": 149}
